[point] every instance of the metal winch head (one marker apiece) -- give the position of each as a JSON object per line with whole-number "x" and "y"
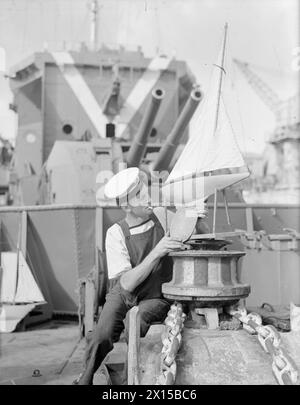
{"x": 209, "y": 278}
{"x": 197, "y": 243}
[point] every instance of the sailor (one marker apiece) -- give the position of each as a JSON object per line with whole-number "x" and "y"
{"x": 137, "y": 264}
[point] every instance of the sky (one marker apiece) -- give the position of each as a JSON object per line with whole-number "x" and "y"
{"x": 264, "y": 33}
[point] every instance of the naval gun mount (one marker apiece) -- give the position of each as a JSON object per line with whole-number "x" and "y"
{"x": 206, "y": 280}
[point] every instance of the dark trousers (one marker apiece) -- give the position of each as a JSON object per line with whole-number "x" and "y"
{"x": 111, "y": 324}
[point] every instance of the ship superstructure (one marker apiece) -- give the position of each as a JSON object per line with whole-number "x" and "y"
{"x": 90, "y": 96}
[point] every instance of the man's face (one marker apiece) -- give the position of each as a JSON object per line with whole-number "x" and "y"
{"x": 141, "y": 211}
{"x": 140, "y": 205}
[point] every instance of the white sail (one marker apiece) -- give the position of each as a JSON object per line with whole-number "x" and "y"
{"x": 9, "y": 276}
{"x": 27, "y": 289}
{"x": 18, "y": 284}
{"x": 11, "y": 315}
{"x": 211, "y": 158}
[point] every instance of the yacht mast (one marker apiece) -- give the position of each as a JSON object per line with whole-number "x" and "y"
{"x": 222, "y": 71}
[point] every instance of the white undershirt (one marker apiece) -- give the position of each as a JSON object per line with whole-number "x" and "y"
{"x": 117, "y": 255}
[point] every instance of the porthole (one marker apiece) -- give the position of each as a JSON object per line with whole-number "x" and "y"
{"x": 153, "y": 132}
{"x": 67, "y": 129}
{"x": 30, "y": 138}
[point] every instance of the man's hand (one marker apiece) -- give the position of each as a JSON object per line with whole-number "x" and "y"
{"x": 134, "y": 277}
{"x": 167, "y": 245}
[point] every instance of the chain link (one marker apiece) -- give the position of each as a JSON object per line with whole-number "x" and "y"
{"x": 171, "y": 339}
{"x": 283, "y": 366}
{"x": 252, "y": 322}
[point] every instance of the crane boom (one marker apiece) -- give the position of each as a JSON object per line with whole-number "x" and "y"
{"x": 268, "y": 96}
{"x": 285, "y": 111}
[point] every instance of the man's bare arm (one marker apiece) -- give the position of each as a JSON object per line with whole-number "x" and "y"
{"x": 134, "y": 277}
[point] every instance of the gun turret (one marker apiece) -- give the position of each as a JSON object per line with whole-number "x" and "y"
{"x": 168, "y": 149}
{"x": 137, "y": 149}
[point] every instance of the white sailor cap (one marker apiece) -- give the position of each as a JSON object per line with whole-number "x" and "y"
{"x": 124, "y": 184}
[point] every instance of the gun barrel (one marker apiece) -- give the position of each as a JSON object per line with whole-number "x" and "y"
{"x": 137, "y": 149}
{"x": 168, "y": 149}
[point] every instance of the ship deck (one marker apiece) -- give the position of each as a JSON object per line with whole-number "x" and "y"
{"x": 52, "y": 354}
{"x": 48, "y": 354}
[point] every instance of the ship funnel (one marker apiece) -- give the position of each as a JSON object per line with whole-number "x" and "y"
{"x": 137, "y": 149}
{"x": 168, "y": 149}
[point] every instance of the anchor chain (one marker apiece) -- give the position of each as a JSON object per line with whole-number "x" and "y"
{"x": 283, "y": 366}
{"x": 171, "y": 339}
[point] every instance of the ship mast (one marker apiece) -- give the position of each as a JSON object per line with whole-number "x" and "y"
{"x": 94, "y": 25}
